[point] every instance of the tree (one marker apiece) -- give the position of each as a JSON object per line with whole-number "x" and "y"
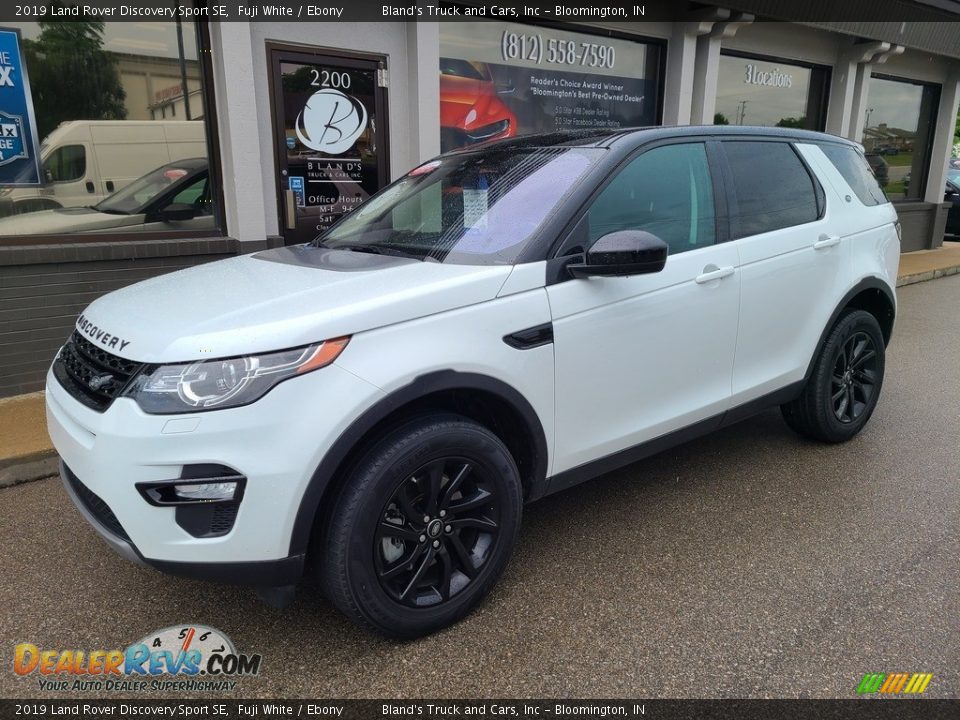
{"x": 792, "y": 122}
{"x": 720, "y": 119}
{"x": 71, "y": 76}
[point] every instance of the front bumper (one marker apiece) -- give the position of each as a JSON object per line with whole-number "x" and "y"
{"x": 265, "y": 573}
{"x": 276, "y": 444}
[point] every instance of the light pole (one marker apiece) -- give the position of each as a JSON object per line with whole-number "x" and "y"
{"x": 867, "y": 123}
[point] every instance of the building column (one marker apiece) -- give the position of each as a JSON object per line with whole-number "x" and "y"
{"x": 244, "y": 156}
{"x": 681, "y": 59}
{"x": 707, "y": 67}
{"x": 943, "y": 136}
{"x": 861, "y": 85}
{"x": 843, "y": 85}
{"x": 423, "y": 67}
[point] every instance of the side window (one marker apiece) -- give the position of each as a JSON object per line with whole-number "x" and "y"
{"x": 67, "y": 163}
{"x": 772, "y": 187}
{"x": 197, "y": 194}
{"x": 666, "y": 191}
{"x": 857, "y": 172}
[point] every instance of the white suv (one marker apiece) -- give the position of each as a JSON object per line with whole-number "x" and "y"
{"x": 501, "y": 323}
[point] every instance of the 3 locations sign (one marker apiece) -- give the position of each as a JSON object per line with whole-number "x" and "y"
{"x": 19, "y": 161}
{"x": 502, "y": 79}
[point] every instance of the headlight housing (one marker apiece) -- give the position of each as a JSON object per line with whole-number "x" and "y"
{"x": 227, "y": 382}
{"x": 486, "y": 132}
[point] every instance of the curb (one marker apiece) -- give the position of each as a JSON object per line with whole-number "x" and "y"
{"x": 27, "y": 468}
{"x": 929, "y": 275}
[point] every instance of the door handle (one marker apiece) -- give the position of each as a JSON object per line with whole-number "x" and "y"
{"x": 825, "y": 241}
{"x": 717, "y": 274}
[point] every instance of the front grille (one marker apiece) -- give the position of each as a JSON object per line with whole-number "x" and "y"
{"x": 223, "y": 516}
{"x": 96, "y": 506}
{"x": 92, "y": 375}
{"x": 206, "y": 520}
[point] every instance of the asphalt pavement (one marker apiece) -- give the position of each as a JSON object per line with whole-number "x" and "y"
{"x": 749, "y": 563}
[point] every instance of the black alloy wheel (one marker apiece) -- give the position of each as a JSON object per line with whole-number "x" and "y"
{"x": 422, "y": 526}
{"x": 854, "y": 377}
{"x": 844, "y": 383}
{"x": 437, "y": 530}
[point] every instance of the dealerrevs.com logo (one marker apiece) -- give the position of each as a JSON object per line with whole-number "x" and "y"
{"x": 177, "y": 658}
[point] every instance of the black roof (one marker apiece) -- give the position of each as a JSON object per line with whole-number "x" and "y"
{"x": 608, "y": 138}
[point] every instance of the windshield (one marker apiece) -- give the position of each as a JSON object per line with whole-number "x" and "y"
{"x": 474, "y": 208}
{"x": 137, "y": 194}
{"x": 954, "y": 176}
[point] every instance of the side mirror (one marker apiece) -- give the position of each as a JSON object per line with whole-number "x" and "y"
{"x": 47, "y": 175}
{"x": 625, "y": 252}
{"x": 176, "y": 212}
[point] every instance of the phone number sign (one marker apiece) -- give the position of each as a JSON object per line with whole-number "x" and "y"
{"x": 19, "y": 154}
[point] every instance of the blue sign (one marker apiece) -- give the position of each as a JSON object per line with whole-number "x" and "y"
{"x": 298, "y": 188}
{"x": 19, "y": 152}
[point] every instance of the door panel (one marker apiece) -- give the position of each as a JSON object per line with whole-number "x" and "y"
{"x": 329, "y": 117}
{"x": 789, "y": 275}
{"x": 638, "y": 357}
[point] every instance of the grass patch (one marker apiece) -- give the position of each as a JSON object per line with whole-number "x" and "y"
{"x": 900, "y": 159}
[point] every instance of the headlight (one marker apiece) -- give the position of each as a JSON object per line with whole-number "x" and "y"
{"x": 488, "y": 131}
{"x": 225, "y": 383}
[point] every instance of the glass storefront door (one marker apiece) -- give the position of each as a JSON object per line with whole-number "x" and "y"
{"x": 329, "y": 117}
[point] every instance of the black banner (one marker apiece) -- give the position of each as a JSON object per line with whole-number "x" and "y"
{"x": 505, "y": 10}
{"x": 493, "y": 709}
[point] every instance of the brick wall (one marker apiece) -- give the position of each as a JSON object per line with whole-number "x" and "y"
{"x": 43, "y": 288}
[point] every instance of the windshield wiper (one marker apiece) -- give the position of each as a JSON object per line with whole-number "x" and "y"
{"x": 372, "y": 249}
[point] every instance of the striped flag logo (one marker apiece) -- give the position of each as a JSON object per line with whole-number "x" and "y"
{"x": 894, "y": 683}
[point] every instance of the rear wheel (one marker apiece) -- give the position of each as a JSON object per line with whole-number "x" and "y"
{"x": 423, "y": 527}
{"x": 843, "y": 389}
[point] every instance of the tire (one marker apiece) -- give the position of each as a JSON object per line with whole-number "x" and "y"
{"x": 842, "y": 392}
{"x": 422, "y": 527}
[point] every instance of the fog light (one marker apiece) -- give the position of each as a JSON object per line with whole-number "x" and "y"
{"x": 217, "y": 491}
{"x": 194, "y": 491}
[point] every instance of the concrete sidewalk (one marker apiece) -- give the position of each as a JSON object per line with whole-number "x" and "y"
{"x": 929, "y": 264}
{"x": 25, "y": 450}
{"x": 26, "y": 453}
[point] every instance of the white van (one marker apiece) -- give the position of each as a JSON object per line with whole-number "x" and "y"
{"x": 84, "y": 161}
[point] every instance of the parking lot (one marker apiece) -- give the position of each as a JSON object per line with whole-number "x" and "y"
{"x": 747, "y": 563}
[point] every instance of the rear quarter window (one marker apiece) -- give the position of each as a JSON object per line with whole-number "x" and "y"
{"x": 855, "y": 169}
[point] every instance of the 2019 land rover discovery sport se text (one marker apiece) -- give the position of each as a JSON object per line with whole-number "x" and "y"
{"x": 500, "y": 323}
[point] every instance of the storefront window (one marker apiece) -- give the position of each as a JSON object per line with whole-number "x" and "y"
{"x": 499, "y": 80}
{"x": 898, "y": 126}
{"x": 763, "y": 91}
{"x": 80, "y": 141}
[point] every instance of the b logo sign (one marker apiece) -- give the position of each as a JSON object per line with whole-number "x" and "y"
{"x": 331, "y": 122}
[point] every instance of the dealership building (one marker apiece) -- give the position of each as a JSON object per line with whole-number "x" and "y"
{"x": 195, "y": 141}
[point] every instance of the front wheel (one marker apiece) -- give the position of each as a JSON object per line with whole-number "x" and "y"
{"x": 423, "y": 527}
{"x": 843, "y": 389}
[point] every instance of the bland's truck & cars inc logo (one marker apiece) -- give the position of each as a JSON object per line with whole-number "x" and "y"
{"x": 172, "y": 659}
